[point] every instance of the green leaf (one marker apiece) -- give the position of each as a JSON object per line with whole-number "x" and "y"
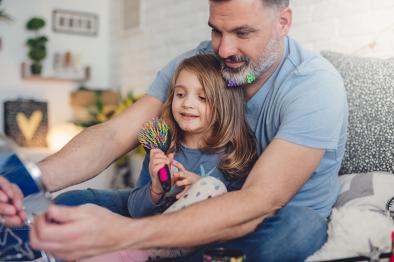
{"x": 37, "y": 54}
{"x": 31, "y": 42}
{"x": 42, "y": 39}
{"x": 35, "y": 23}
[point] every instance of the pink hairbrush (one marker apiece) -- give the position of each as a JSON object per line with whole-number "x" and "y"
{"x": 156, "y": 135}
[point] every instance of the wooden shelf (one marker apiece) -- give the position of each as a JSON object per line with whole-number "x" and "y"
{"x": 29, "y": 77}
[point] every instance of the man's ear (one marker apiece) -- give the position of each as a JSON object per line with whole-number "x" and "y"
{"x": 285, "y": 20}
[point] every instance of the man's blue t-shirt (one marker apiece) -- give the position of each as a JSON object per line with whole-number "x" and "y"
{"x": 140, "y": 203}
{"x": 303, "y": 102}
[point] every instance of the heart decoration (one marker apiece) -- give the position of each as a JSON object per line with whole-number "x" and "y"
{"x": 29, "y": 126}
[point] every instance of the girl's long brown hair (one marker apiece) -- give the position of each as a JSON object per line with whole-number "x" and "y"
{"x": 229, "y": 132}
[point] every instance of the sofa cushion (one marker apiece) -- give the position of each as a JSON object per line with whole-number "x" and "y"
{"x": 371, "y": 190}
{"x": 369, "y": 83}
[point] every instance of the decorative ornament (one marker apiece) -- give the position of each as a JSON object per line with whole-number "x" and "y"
{"x": 232, "y": 83}
{"x": 250, "y": 78}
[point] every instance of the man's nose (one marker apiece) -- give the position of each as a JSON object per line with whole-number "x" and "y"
{"x": 227, "y": 47}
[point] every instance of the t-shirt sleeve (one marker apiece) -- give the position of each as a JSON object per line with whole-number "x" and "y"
{"x": 314, "y": 111}
{"x": 233, "y": 185}
{"x": 144, "y": 177}
{"x": 161, "y": 83}
{"x": 140, "y": 203}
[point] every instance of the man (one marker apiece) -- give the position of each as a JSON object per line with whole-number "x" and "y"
{"x": 297, "y": 109}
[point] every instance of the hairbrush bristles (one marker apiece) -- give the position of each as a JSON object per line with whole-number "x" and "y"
{"x": 155, "y": 134}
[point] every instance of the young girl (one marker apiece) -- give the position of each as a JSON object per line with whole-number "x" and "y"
{"x": 209, "y": 137}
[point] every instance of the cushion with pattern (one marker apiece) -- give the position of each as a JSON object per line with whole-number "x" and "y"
{"x": 369, "y": 84}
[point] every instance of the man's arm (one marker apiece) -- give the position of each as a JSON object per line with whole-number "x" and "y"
{"x": 277, "y": 175}
{"x": 98, "y": 146}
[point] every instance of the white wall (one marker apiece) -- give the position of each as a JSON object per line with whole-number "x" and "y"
{"x": 170, "y": 27}
{"x": 93, "y": 50}
{"x": 358, "y": 27}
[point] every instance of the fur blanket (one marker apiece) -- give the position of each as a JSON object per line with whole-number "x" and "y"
{"x": 349, "y": 231}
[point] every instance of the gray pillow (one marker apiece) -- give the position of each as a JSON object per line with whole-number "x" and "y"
{"x": 369, "y": 84}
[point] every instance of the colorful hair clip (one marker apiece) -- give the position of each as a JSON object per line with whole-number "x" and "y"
{"x": 232, "y": 83}
{"x": 250, "y": 78}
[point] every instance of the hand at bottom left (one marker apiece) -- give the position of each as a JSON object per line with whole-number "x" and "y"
{"x": 71, "y": 233}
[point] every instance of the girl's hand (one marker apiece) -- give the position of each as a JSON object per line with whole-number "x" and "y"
{"x": 184, "y": 178}
{"x": 157, "y": 160}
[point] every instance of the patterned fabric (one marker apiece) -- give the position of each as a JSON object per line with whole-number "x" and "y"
{"x": 14, "y": 245}
{"x": 205, "y": 188}
{"x": 369, "y": 83}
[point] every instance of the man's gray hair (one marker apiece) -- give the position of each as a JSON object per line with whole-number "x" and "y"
{"x": 276, "y": 3}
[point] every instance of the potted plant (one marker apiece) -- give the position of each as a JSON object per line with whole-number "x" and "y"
{"x": 36, "y": 44}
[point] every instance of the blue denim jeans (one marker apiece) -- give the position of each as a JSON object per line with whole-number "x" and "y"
{"x": 292, "y": 234}
{"x": 112, "y": 199}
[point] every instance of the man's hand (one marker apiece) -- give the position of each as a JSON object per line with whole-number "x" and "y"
{"x": 184, "y": 178}
{"x": 11, "y": 210}
{"x": 72, "y": 233}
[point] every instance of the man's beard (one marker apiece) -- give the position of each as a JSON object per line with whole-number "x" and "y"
{"x": 240, "y": 74}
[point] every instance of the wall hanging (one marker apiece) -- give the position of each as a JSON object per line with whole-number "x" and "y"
{"x": 73, "y": 22}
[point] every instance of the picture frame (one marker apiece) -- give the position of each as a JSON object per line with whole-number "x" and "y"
{"x": 75, "y": 22}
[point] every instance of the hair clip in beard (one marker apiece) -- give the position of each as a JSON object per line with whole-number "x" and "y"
{"x": 250, "y": 78}
{"x": 232, "y": 83}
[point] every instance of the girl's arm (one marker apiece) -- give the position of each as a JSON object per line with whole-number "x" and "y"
{"x": 141, "y": 202}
